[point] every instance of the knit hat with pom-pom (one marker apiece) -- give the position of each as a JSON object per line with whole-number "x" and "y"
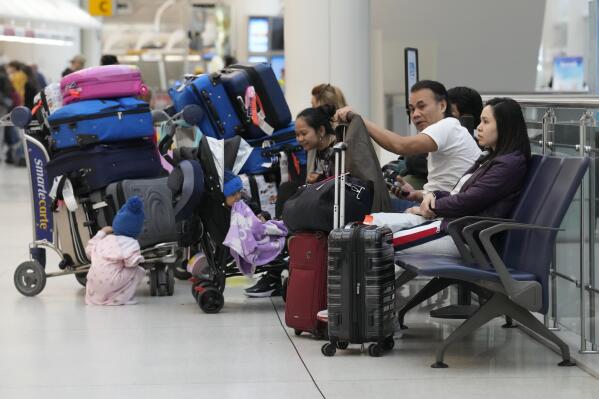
{"x": 130, "y": 218}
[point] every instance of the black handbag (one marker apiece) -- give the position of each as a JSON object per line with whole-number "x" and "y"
{"x": 311, "y": 207}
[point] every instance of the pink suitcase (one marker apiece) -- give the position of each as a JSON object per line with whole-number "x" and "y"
{"x": 102, "y": 82}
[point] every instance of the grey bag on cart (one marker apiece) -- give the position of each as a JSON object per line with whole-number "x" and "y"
{"x": 159, "y": 224}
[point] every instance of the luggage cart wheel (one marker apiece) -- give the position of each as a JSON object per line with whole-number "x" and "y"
{"x": 389, "y": 343}
{"x": 342, "y": 344}
{"x": 81, "y": 278}
{"x": 153, "y": 282}
{"x": 328, "y": 349}
{"x": 170, "y": 281}
{"x": 210, "y": 299}
{"x": 375, "y": 350}
{"x": 30, "y": 278}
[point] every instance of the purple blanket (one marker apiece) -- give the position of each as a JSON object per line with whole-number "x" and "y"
{"x": 253, "y": 242}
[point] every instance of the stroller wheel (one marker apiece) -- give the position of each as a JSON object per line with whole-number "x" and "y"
{"x": 30, "y": 278}
{"x": 81, "y": 278}
{"x": 195, "y": 290}
{"x": 170, "y": 281}
{"x": 210, "y": 299}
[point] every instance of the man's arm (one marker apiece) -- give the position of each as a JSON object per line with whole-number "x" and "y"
{"x": 410, "y": 145}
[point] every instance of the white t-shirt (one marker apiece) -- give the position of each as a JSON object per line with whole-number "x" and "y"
{"x": 460, "y": 184}
{"x": 456, "y": 153}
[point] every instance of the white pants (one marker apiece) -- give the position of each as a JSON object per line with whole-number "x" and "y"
{"x": 414, "y": 234}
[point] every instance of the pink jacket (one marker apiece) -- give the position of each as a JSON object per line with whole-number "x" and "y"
{"x": 114, "y": 273}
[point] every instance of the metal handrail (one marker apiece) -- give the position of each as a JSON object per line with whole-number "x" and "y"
{"x": 554, "y": 101}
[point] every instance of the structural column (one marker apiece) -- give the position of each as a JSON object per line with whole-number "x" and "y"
{"x": 328, "y": 41}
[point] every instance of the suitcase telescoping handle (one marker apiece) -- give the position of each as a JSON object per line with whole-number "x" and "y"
{"x": 339, "y": 204}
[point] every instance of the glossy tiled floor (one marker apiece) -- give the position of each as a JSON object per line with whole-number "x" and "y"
{"x": 54, "y": 346}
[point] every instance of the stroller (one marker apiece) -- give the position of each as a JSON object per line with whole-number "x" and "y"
{"x": 214, "y": 218}
{"x": 66, "y": 232}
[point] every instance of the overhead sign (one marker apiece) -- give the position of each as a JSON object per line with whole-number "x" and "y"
{"x": 100, "y": 8}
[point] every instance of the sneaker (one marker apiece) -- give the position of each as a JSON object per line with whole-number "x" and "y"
{"x": 268, "y": 285}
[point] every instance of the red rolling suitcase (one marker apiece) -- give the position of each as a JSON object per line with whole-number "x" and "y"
{"x": 307, "y": 284}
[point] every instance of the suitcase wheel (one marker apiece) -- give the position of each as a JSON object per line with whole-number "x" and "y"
{"x": 30, "y": 278}
{"x": 284, "y": 286}
{"x": 210, "y": 299}
{"x": 328, "y": 349}
{"x": 342, "y": 344}
{"x": 375, "y": 350}
{"x": 389, "y": 343}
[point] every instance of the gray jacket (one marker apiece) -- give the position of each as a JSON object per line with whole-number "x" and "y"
{"x": 362, "y": 162}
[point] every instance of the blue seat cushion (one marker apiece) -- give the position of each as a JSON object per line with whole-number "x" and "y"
{"x": 454, "y": 268}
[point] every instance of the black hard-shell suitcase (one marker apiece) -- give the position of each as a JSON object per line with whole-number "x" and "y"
{"x": 96, "y": 167}
{"x": 361, "y": 288}
{"x": 361, "y": 278}
{"x": 236, "y": 82}
{"x": 263, "y": 78}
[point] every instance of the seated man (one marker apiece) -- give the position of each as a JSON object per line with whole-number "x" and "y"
{"x": 451, "y": 148}
{"x": 466, "y": 106}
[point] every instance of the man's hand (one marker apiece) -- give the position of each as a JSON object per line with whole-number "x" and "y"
{"x": 107, "y": 230}
{"x": 344, "y": 115}
{"x": 404, "y": 190}
{"x": 313, "y": 178}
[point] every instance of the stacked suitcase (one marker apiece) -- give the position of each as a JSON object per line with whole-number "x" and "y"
{"x": 247, "y": 101}
{"x": 101, "y": 135}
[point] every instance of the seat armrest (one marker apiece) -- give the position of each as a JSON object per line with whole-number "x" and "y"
{"x": 455, "y": 229}
{"x": 518, "y": 291}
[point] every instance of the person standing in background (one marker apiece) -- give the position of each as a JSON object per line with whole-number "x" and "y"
{"x": 77, "y": 63}
{"x": 109, "y": 59}
{"x": 39, "y": 77}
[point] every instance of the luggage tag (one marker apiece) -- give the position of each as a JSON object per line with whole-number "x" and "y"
{"x": 256, "y": 111}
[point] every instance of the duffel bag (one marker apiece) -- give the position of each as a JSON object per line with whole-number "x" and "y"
{"x": 311, "y": 207}
{"x": 90, "y": 122}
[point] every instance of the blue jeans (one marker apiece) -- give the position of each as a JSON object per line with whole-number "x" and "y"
{"x": 399, "y": 205}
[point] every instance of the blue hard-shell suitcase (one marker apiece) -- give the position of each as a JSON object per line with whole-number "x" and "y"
{"x": 98, "y": 166}
{"x": 268, "y": 149}
{"x": 221, "y": 119}
{"x": 100, "y": 121}
{"x": 263, "y": 78}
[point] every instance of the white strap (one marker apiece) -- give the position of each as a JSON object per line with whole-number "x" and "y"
{"x": 284, "y": 166}
{"x": 68, "y": 195}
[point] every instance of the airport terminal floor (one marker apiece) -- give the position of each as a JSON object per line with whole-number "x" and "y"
{"x": 54, "y": 346}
